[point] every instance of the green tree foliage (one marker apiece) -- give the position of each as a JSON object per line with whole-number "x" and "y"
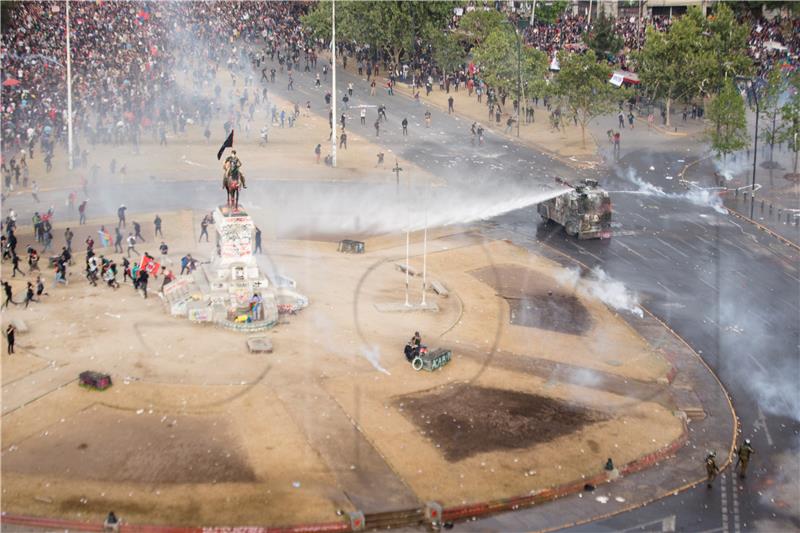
{"x": 318, "y": 20}
{"x": 448, "y": 51}
{"x": 583, "y": 88}
{"x": 790, "y": 114}
{"x": 603, "y": 38}
{"x": 477, "y": 25}
{"x": 725, "y": 42}
{"x": 549, "y": 11}
{"x": 388, "y": 25}
{"x": 770, "y": 108}
{"x": 497, "y": 57}
{"x": 675, "y": 65}
{"x": 729, "y": 131}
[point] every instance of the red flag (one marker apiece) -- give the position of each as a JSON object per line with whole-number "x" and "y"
{"x": 149, "y": 265}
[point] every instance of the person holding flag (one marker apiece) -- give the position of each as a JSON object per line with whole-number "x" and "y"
{"x": 105, "y": 237}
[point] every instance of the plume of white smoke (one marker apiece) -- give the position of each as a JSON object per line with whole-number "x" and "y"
{"x": 373, "y": 355}
{"x": 731, "y": 167}
{"x": 599, "y": 285}
{"x": 695, "y": 195}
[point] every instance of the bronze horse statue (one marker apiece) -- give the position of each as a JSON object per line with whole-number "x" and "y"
{"x": 232, "y": 181}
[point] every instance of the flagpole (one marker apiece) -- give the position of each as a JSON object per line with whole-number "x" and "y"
{"x": 69, "y": 93}
{"x": 425, "y": 247}
{"x": 334, "y": 116}
{"x": 408, "y": 237}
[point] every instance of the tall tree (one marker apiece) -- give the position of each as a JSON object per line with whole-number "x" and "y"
{"x": 790, "y": 114}
{"x": 550, "y": 11}
{"x": 603, "y": 38}
{"x": 725, "y": 41}
{"x": 497, "y": 57}
{"x": 391, "y": 25}
{"x": 770, "y": 106}
{"x": 583, "y": 87}
{"x": 478, "y": 24}
{"x": 318, "y": 20}
{"x": 675, "y": 65}
{"x": 729, "y": 131}
{"x": 448, "y": 51}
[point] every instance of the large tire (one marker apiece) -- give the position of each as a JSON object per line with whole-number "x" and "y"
{"x": 417, "y": 364}
{"x": 570, "y": 229}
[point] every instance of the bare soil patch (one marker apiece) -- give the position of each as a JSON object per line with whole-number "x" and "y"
{"x": 469, "y": 419}
{"x": 536, "y": 301}
{"x": 109, "y": 445}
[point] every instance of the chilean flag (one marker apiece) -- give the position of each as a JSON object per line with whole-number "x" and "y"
{"x": 149, "y": 265}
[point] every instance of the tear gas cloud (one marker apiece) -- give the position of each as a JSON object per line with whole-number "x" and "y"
{"x": 373, "y": 355}
{"x": 600, "y": 286}
{"x": 696, "y": 195}
{"x": 731, "y": 167}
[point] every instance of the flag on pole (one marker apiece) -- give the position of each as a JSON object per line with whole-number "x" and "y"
{"x": 227, "y": 144}
{"x": 149, "y": 265}
{"x": 105, "y": 238}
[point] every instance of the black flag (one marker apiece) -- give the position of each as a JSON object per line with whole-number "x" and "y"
{"x": 227, "y": 144}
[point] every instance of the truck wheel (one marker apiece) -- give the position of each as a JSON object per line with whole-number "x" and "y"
{"x": 570, "y": 228}
{"x": 416, "y": 364}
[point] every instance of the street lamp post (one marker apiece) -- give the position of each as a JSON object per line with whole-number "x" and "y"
{"x": 751, "y": 86}
{"x": 755, "y": 152}
{"x": 334, "y": 118}
{"x": 69, "y": 93}
{"x": 519, "y": 73}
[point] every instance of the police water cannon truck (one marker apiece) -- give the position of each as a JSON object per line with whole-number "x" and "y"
{"x": 584, "y": 210}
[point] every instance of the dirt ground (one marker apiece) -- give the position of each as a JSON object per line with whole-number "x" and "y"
{"x": 468, "y": 420}
{"x": 196, "y": 430}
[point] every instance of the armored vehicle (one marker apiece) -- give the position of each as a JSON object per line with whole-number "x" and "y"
{"x": 584, "y": 210}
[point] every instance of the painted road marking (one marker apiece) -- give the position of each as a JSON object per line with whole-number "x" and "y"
{"x": 761, "y": 423}
{"x": 631, "y": 250}
{"x": 583, "y": 250}
{"x": 735, "y": 497}
{"x": 724, "y": 494}
{"x": 667, "y": 525}
{"x": 668, "y": 245}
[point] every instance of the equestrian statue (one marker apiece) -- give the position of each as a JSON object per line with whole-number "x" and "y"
{"x": 233, "y": 180}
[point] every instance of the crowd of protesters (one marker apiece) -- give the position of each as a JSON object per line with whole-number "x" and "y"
{"x": 127, "y": 59}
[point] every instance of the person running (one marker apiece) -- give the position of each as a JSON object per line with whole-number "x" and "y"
{"x": 15, "y": 263}
{"x": 29, "y": 292}
{"x": 137, "y": 231}
{"x": 132, "y": 244}
{"x": 157, "y": 226}
{"x": 9, "y": 295}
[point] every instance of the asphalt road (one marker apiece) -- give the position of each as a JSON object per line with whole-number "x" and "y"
{"x": 730, "y": 291}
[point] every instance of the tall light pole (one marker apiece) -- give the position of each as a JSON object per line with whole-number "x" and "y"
{"x": 755, "y": 151}
{"x": 751, "y": 86}
{"x": 69, "y": 93}
{"x": 519, "y": 72}
{"x": 334, "y": 117}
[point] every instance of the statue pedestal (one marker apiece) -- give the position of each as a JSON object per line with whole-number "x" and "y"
{"x": 223, "y": 291}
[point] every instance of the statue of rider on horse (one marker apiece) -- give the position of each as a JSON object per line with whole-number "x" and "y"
{"x": 233, "y": 179}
